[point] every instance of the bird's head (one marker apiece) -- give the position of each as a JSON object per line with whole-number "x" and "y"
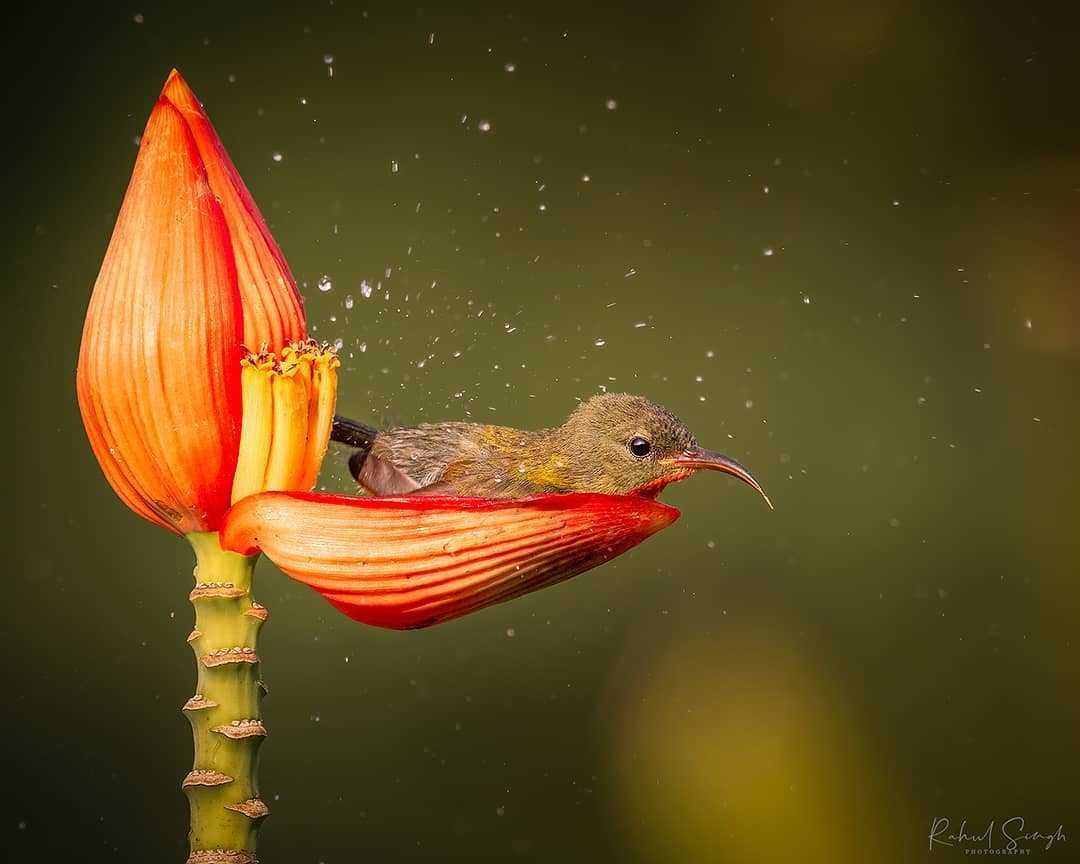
{"x": 623, "y": 444}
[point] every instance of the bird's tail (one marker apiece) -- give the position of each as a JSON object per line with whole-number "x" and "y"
{"x": 354, "y": 434}
{"x": 375, "y": 475}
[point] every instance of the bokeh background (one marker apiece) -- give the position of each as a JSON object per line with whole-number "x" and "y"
{"x": 840, "y": 240}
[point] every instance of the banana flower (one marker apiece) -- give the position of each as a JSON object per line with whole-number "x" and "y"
{"x": 209, "y": 410}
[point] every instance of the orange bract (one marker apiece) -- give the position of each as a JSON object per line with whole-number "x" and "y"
{"x": 415, "y": 561}
{"x": 273, "y": 309}
{"x": 191, "y": 271}
{"x": 158, "y": 379}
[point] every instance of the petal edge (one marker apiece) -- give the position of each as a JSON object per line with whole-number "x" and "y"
{"x": 158, "y": 381}
{"x": 273, "y": 308}
{"x": 411, "y": 562}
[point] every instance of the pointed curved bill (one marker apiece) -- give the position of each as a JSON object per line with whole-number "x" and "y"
{"x": 698, "y": 457}
{"x": 273, "y": 309}
{"x": 158, "y": 380}
{"x": 411, "y": 562}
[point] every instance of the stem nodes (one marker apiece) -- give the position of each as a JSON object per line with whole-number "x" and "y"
{"x": 240, "y": 729}
{"x": 221, "y": 856}
{"x": 198, "y": 702}
{"x": 206, "y": 777}
{"x": 222, "y": 656}
{"x": 225, "y": 716}
{"x": 254, "y": 808}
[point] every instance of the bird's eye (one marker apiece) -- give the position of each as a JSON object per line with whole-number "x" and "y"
{"x": 639, "y": 447}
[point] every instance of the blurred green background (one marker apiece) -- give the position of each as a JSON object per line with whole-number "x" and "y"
{"x": 840, "y": 240}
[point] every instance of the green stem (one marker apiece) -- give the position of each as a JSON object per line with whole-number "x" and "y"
{"x": 222, "y": 788}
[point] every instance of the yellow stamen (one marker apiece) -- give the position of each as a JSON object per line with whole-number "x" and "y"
{"x": 320, "y": 417}
{"x": 255, "y": 428}
{"x": 288, "y": 411}
{"x": 290, "y": 428}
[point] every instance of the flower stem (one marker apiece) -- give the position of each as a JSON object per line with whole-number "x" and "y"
{"x": 222, "y": 787}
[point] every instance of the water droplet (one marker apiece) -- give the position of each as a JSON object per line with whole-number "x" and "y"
{"x": 510, "y": 67}
{"x": 138, "y": 18}
{"x": 611, "y": 104}
{"x": 768, "y": 251}
{"x": 365, "y": 288}
{"x": 484, "y": 125}
{"x": 327, "y": 59}
{"x": 600, "y": 343}
{"x": 349, "y": 302}
{"x": 324, "y": 284}
{"x": 511, "y": 632}
{"x": 806, "y": 299}
{"x": 339, "y": 343}
{"x": 393, "y": 166}
{"x": 277, "y": 156}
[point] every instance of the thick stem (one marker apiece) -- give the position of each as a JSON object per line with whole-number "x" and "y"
{"x": 222, "y": 787}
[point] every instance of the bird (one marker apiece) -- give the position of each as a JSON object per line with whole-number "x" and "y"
{"x": 612, "y": 443}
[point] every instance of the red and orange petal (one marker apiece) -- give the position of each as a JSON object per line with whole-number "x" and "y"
{"x": 273, "y": 308}
{"x": 415, "y": 561}
{"x": 158, "y": 379}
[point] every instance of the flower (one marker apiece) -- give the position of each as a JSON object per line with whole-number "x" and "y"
{"x": 410, "y": 562}
{"x": 191, "y": 275}
{"x": 210, "y": 410}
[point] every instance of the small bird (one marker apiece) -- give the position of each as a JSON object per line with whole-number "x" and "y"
{"x": 613, "y": 443}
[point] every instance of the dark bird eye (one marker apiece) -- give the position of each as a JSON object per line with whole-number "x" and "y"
{"x": 639, "y": 447}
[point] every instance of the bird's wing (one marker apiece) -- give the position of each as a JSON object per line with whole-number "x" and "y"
{"x": 435, "y": 489}
{"x": 380, "y": 477}
{"x": 423, "y": 453}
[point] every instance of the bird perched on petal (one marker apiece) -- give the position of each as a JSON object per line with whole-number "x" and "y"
{"x": 613, "y": 443}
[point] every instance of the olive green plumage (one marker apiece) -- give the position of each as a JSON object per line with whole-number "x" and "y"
{"x": 593, "y": 451}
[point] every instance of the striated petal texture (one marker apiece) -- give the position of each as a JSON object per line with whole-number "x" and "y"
{"x": 412, "y": 562}
{"x": 273, "y": 308}
{"x": 158, "y": 379}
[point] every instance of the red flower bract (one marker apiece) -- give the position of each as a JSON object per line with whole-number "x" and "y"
{"x": 415, "y": 561}
{"x": 190, "y": 276}
{"x": 191, "y": 273}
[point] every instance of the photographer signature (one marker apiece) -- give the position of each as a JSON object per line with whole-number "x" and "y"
{"x": 1011, "y": 835}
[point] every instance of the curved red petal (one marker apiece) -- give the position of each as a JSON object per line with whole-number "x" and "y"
{"x": 415, "y": 561}
{"x": 273, "y": 308}
{"x": 158, "y": 379}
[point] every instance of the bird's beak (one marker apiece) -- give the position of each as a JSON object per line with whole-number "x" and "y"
{"x": 698, "y": 457}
